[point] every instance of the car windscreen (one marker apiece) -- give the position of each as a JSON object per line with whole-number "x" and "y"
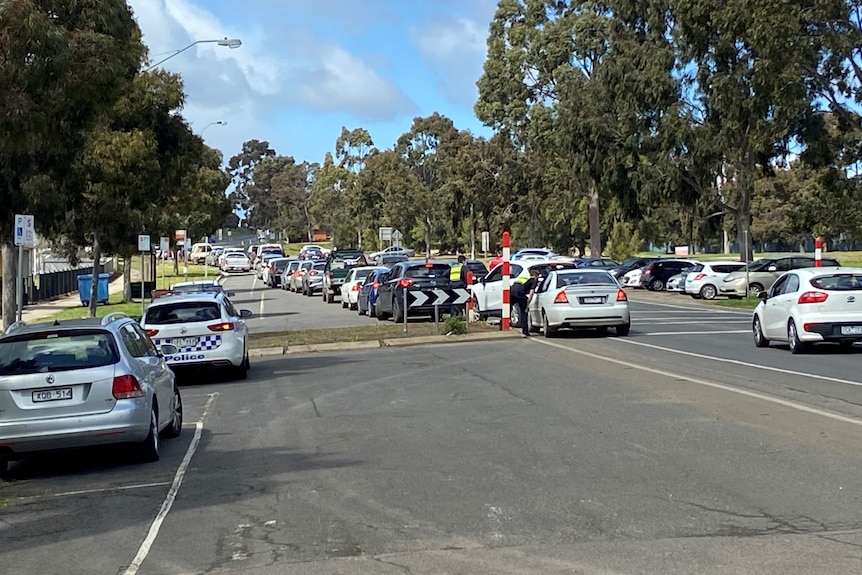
{"x": 57, "y": 351}
{"x": 427, "y": 271}
{"x": 592, "y": 278}
{"x": 183, "y": 312}
{"x": 280, "y": 265}
{"x": 838, "y": 282}
{"x": 235, "y": 256}
{"x": 760, "y": 265}
{"x": 361, "y": 274}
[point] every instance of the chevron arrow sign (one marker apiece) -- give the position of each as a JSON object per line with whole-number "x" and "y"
{"x": 437, "y": 296}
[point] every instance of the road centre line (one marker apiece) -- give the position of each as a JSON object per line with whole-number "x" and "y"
{"x": 92, "y": 491}
{"x": 641, "y": 334}
{"x": 740, "y": 363}
{"x": 153, "y": 532}
{"x": 714, "y": 385}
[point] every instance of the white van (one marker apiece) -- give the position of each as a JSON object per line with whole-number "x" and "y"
{"x": 199, "y": 253}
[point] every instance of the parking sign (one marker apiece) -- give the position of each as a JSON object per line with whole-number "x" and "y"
{"x": 25, "y": 231}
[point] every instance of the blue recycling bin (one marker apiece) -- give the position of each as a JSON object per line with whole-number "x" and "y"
{"x": 85, "y": 287}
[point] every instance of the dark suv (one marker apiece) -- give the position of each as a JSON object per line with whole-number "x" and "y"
{"x": 420, "y": 279}
{"x": 656, "y": 274}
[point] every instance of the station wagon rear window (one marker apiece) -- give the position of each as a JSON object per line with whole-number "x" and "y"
{"x": 573, "y": 279}
{"x": 57, "y": 351}
{"x": 838, "y": 282}
{"x": 183, "y": 312}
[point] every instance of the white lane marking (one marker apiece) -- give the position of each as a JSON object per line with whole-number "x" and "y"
{"x": 260, "y": 312}
{"x": 740, "y": 363}
{"x": 696, "y": 308}
{"x": 714, "y": 385}
{"x": 668, "y": 321}
{"x": 694, "y": 332}
{"x": 92, "y": 491}
{"x": 253, "y": 284}
{"x": 153, "y": 532}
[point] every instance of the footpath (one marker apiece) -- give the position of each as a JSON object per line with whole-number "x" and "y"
{"x": 40, "y": 311}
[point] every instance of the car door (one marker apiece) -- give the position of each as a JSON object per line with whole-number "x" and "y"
{"x": 386, "y": 291}
{"x": 774, "y": 320}
{"x": 494, "y": 289}
{"x": 535, "y": 309}
{"x": 164, "y": 377}
{"x": 147, "y": 366}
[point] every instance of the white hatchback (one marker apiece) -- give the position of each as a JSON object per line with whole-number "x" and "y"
{"x": 704, "y": 278}
{"x": 206, "y": 330}
{"x": 811, "y": 305}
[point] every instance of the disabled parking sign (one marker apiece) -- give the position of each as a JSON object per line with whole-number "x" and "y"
{"x": 25, "y": 231}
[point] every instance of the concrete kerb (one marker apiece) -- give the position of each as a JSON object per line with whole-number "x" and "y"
{"x": 381, "y": 343}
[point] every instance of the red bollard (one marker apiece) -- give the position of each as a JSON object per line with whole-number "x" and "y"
{"x": 818, "y": 252}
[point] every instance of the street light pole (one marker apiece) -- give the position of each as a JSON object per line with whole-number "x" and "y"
{"x": 219, "y": 123}
{"x": 231, "y": 43}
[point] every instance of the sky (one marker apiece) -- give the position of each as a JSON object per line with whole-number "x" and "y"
{"x": 307, "y": 68}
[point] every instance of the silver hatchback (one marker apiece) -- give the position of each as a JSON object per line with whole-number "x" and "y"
{"x": 79, "y": 383}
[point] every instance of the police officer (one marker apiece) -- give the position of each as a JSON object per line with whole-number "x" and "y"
{"x": 521, "y": 293}
{"x": 458, "y": 279}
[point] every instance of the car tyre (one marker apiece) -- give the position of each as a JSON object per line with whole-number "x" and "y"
{"x": 330, "y": 297}
{"x": 149, "y": 448}
{"x": 397, "y": 312}
{"x": 796, "y": 345}
{"x": 344, "y": 304}
{"x": 623, "y": 330}
{"x": 755, "y": 289}
{"x": 656, "y": 285}
{"x": 176, "y": 426}
{"x": 757, "y": 330}
{"x": 708, "y": 291}
{"x": 353, "y": 306}
{"x": 547, "y": 330}
{"x": 241, "y": 371}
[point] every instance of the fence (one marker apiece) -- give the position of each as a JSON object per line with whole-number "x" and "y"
{"x": 47, "y": 286}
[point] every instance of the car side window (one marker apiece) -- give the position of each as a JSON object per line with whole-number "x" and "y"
{"x": 778, "y": 287}
{"x": 495, "y": 275}
{"x": 230, "y": 309}
{"x": 544, "y": 283}
{"x": 792, "y": 285}
{"x": 132, "y": 342}
{"x": 145, "y": 341}
{"x": 784, "y": 264}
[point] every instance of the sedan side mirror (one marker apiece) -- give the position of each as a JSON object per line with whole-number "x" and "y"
{"x": 763, "y": 295}
{"x": 772, "y": 269}
{"x": 245, "y": 313}
{"x": 169, "y": 349}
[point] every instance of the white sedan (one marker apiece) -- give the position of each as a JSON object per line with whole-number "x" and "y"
{"x": 811, "y": 305}
{"x": 581, "y": 298}
{"x": 352, "y": 284}
{"x": 633, "y": 278}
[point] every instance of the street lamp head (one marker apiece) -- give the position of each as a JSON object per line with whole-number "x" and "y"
{"x": 230, "y": 42}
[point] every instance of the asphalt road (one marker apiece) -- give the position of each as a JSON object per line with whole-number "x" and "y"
{"x": 280, "y": 310}
{"x": 680, "y": 449}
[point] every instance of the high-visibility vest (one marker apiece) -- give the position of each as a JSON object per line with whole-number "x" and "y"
{"x": 455, "y": 273}
{"x": 522, "y": 279}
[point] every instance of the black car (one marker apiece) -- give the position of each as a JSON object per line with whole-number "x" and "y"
{"x": 656, "y": 274}
{"x": 631, "y": 264}
{"x": 417, "y": 277}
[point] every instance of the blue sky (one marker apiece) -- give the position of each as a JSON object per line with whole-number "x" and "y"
{"x": 309, "y": 67}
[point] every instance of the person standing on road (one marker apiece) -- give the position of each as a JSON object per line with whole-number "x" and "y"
{"x": 521, "y": 294}
{"x": 496, "y": 260}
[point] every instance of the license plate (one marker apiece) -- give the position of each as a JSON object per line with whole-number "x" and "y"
{"x": 851, "y": 330}
{"x": 592, "y": 300}
{"x": 185, "y": 341}
{"x": 56, "y": 394}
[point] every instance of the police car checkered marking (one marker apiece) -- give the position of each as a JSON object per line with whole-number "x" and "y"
{"x": 205, "y": 343}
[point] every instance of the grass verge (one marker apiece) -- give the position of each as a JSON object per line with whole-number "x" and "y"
{"x": 351, "y": 334}
{"x": 745, "y": 303}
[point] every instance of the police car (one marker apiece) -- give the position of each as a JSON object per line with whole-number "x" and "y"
{"x": 206, "y": 329}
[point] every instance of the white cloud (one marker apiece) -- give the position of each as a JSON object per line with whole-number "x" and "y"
{"x": 456, "y": 51}
{"x": 343, "y": 81}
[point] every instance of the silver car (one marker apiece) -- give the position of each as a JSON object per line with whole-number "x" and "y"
{"x": 79, "y": 383}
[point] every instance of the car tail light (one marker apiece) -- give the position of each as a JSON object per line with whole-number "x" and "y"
{"x": 223, "y": 326}
{"x": 621, "y": 295}
{"x": 312, "y": 273}
{"x": 151, "y": 332}
{"x": 699, "y": 277}
{"x": 297, "y": 274}
{"x": 356, "y": 287}
{"x": 813, "y": 297}
{"x": 126, "y": 387}
{"x": 561, "y": 298}
{"x": 375, "y": 285}
{"x": 405, "y": 283}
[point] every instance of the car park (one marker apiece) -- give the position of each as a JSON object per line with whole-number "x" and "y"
{"x": 312, "y": 280}
{"x": 580, "y": 298}
{"x": 703, "y": 278}
{"x": 762, "y": 274}
{"x": 352, "y": 284}
{"x": 631, "y": 264}
{"x": 367, "y": 299}
{"x": 811, "y": 305}
{"x": 204, "y": 330}
{"x": 80, "y": 383}
{"x": 656, "y": 274}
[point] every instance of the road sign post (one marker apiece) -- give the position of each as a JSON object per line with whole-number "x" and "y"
{"x": 818, "y": 252}
{"x": 405, "y": 311}
{"x": 469, "y": 307}
{"x": 25, "y": 237}
{"x": 486, "y": 242}
{"x": 143, "y": 247}
{"x": 164, "y": 248}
